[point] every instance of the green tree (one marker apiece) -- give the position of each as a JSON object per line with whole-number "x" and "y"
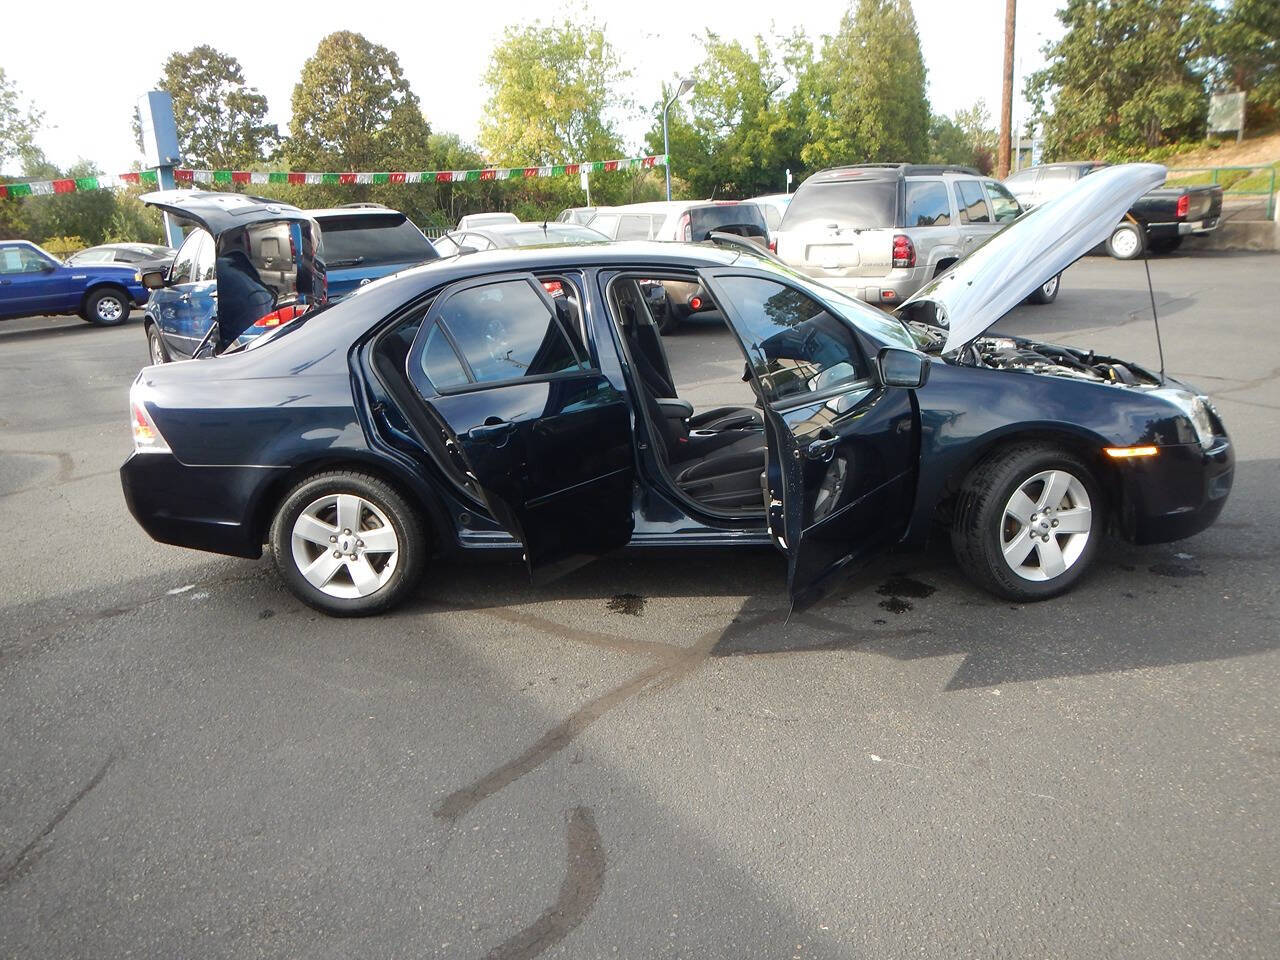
{"x": 1245, "y": 42}
{"x": 222, "y": 122}
{"x": 865, "y": 99}
{"x": 353, "y": 109}
{"x": 19, "y": 122}
{"x": 1127, "y": 75}
{"x": 553, "y": 95}
{"x": 741, "y": 129}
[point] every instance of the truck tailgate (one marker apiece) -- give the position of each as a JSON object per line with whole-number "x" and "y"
{"x": 827, "y": 252}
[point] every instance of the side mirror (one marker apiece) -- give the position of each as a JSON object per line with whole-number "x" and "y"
{"x": 153, "y": 279}
{"x": 902, "y": 368}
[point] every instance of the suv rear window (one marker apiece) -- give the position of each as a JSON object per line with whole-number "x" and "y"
{"x": 866, "y": 203}
{"x": 743, "y": 219}
{"x": 926, "y": 204}
{"x": 371, "y": 239}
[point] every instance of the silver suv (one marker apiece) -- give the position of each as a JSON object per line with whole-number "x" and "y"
{"x": 879, "y": 232}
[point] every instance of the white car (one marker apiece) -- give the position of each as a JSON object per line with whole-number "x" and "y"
{"x": 486, "y": 219}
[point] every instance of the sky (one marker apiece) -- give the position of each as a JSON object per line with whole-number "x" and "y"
{"x": 87, "y": 67}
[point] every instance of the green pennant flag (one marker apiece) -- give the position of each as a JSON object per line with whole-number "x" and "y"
{"x": 558, "y": 170}
{"x": 277, "y": 176}
{"x": 382, "y": 178}
{"x": 149, "y": 176}
{"x": 86, "y": 183}
{"x": 329, "y": 178}
{"x": 473, "y": 175}
{"x": 19, "y": 189}
{"x": 222, "y": 176}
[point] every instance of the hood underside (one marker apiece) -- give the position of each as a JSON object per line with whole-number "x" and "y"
{"x": 1040, "y": 244}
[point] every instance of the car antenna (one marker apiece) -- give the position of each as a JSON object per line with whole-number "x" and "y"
{"x": 1151, "y": 292}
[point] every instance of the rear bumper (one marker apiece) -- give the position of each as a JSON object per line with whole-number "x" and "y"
{"x": 1183, "y": 228}
{"x": 204, "y": 508}
{"x": 890, "y": 290}
{"x": 1176, "y": 493}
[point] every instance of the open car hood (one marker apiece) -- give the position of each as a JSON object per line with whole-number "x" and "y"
{"x": 1040, "y": 244}
{"x": 220, "y": 212}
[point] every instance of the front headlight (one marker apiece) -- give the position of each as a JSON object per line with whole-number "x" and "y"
{"x": 1197, "y": 410}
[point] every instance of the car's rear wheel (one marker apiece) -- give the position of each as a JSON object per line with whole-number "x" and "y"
{"x": 1048, "y": 292}
{"x": 1028, "y": 522}
{"x": 155, "y": 345}
{"x": 348, "y": 543}
{"x": 108, "y": 307}
{"x": 1127, "y": 241}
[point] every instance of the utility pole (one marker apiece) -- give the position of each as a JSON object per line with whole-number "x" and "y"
{"x": 1006, "y": 99}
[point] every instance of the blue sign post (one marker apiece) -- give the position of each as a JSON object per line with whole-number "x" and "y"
{"x": 160, "y": 148}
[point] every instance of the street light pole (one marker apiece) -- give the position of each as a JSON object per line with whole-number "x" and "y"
{"x": 685, "y": 86}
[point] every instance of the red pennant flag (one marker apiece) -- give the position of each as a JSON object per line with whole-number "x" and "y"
{"x": 346, "y": 178}
{"x": 239, "y": 176}
{"x": 611, "y": 165}
{"x": 184, "y": 176}
{"x": 444, "y": 176}
{"x": 64, "y": 186}
{"x": 4, "y": 191}
{"x": 130, "y": 178}
{"x": 488, "y": 174}
{"x": 530, "y": 171}
{"x": 647, "y": 161}
{"x": 297, "y": 177}
{"x": 570, "y": 169}
{"x": 397, "y": 177}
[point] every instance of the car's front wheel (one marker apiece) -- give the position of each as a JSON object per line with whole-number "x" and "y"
{"x": 1048, "y": 292}
{"x": 155, "y": 345}
{"x": 348, "y": 543}
{"x": 1028, "y": 522}
{"x": 108, "y": 307}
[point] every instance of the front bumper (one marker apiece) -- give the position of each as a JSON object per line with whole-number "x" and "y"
{"x": 204, "y": 508}
{"x": 1176, "y": 493}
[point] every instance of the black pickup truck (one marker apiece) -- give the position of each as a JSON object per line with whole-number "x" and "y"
{"x": 1164, "y": 216}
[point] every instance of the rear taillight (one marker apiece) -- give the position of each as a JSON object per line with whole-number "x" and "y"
{"x": 686, "y": 229}
{"x": 1184, "y": 204}
{"x": 695, "y": 302}
{"x": 553, "y": 287}
{"x": 146, "y": 437}
{"x": 773, "y": 246}
{"x": 904, "y": 251}
{"x": 278, "y": 318}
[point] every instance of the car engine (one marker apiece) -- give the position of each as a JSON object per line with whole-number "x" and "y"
{"x": 1008, "y": 353}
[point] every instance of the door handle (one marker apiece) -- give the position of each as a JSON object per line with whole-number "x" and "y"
{"x": 491, "y": 432}
{"x": 822, "y": 449}
{"x": 185, "y": 298}
{"x": 968, "y": 239}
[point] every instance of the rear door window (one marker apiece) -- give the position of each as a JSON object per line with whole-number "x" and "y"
{"x": 184, "y": 263}
{"x": 926, "y": 204}
{"x": 797, "y": 346}
{"x": 1003, "y": 204}
{"x": 869, "y": 203}
{"x": 502, "y": 331}
{"x": 972, "y": 202}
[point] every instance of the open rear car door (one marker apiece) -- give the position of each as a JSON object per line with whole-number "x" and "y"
{"x": 842, "y": 446}
{"x": 544, "y": 435}
{"x": 266, "y": 257}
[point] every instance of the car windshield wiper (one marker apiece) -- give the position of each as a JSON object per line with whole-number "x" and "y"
{"x": 346, "y": 262}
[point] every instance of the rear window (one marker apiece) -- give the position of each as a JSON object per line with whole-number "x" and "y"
{"x": 528, "y": 235}
{"x": 744, "y": 219}
{"x": 867, "y": 203}
{"x": 373, "y": 239}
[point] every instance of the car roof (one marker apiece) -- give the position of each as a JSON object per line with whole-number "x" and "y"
{"x": 887, "y": 171}
{"x": 330, "y": 213}
{"x": 666, "y": 206}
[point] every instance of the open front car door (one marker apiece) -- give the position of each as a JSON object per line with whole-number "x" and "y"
{"x": 842, "y": 444}
{"x": 544, "y": 435}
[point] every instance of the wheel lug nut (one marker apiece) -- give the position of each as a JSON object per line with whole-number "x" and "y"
{"x": 337, "y": 553}
{"x": 1055, "y": 523}
{"x": 333, "y": 539}
{"x": 346, "y": 533}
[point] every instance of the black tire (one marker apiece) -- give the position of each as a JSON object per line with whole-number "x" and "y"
{"x": 410, "y": 558}
{"x": 1166, "y": 244}
{"x": 106, "y": 307}
{"x": 1127, "y": 241}
{"x": 155, "y": 346}
{"x": 980, "y": 526}
{"x": 1048, "y": 292}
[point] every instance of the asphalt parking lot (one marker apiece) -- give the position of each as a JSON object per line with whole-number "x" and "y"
{"x": 645, "y": 757}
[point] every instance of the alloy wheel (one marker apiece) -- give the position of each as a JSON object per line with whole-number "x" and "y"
{"x": 345, "y": 546}
{"x": 109, "y": 309}
{"x": 1124, "y": 243}
{"x": 1045, "y": 525}
{"x": 1050, "y": 288}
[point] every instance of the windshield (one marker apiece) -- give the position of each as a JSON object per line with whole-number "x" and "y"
{"x": 742, "y": 218}
{"x": 866, "y": 204}
{"x": 374, "y": 238}
{"x": 528, "y": 235}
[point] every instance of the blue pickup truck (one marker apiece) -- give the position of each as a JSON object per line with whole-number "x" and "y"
{"x": 33, "y": 281}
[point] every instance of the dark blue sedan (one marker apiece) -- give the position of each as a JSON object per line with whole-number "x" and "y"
{"x": 33, "y": 281}
{"x": 523, "y": 400}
